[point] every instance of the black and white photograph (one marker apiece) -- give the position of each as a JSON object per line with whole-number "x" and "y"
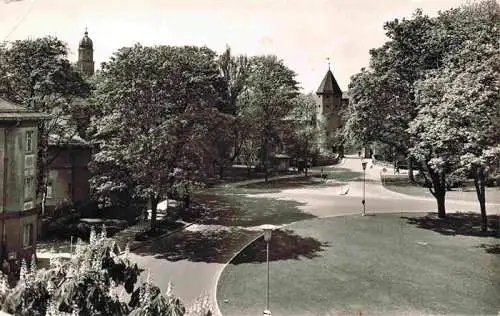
{"x": 249, "y": 157}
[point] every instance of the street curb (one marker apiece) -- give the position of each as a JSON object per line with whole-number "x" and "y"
{"x": 217, "y": 311}
{"x": 219, "y": 273}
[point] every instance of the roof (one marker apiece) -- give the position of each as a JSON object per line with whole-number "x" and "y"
{"x": 329, "y": 85}
{"x": 86, "y": 42}
{"x": 281, "y": 156}
{"x": 55, "y": 140}
{"x": 12, "y": 112}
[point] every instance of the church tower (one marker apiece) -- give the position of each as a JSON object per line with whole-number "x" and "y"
{"x": 86, "y": 55}
{"x": 329, "y": 104}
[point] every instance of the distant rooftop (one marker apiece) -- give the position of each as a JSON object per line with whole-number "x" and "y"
{"x": 10, "y": 111}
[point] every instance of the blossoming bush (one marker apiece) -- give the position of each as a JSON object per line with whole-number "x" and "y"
{"x": 92, "y": 282}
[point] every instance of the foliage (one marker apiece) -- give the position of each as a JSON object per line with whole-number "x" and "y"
{"x": 230, "y": 131}
{"x": 90, "y": 283}
{"x": 268, "y": 98}
{"x": 37, "y": 74}
{"x": 458, "y": 102}
{"x": 432, "y": 90}
{"x": 301, "y": 138}
{"x": 157, "y": 110}
{"x": 235, "y": 71}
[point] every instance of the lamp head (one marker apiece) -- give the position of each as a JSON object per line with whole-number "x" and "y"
{"x": 364, "y": 163}
{"x": 267, "y": 234}
{"x": 268, "y": 229}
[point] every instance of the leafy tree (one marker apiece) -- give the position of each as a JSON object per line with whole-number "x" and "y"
{"x": 302, "y": 135}
{"x": 382, "y": 97}
{"x": 156, "y": 106}
{"x": 37, "y": 74}
{"x": 231, "y": 131}
{"x": 89, "y": 284}
{"x": 268, "y": 98}
{"x": 234, "y": 71}
{"x": 458, "y": 115}
{"x": 407, "y": 97}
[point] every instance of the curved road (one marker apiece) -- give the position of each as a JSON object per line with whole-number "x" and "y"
{"x": 192, "y": 279}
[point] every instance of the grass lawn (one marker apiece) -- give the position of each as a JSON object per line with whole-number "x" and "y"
{"x": 286, "y": 183}
{"x": 237, "y": 207}
{"x": 338, "y": 173}
{"x": 383, "y": 265}
{"x": 466, "y": 194}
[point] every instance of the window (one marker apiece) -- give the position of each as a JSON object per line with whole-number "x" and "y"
{"x": 49, "y": 191}
{"x": 28, "y": 187}
{"x": 28, "y": 235}
{"x": 29, "y": 141}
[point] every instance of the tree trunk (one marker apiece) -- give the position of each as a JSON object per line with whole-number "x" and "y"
{"x": 305, "y": 159}
{"x": 266, "y": 175}
{"x": 187, "y": 198}
{"x": 154, "y": 211}
{"x": 411, "y": 176}
{"x": 480, "y": 184}
{"x": 439, "y": 186}
{"x": 440, "y": 198}
{"x": 221, "y": 171}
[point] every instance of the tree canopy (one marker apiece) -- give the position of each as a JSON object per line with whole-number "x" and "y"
{"x": 431, "y": 91}
{"x": 156, "y": 110}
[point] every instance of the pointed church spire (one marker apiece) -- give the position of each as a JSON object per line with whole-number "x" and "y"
{"x": 329, "y": 85}
{"x": 328, "y": 59}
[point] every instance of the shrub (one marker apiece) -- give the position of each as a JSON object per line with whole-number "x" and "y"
{"x": 88, "y": 284}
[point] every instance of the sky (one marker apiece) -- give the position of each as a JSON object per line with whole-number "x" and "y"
{"x": 303, "y": 33}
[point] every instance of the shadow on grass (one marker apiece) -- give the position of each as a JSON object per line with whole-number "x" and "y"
{"x": 466, "y": 224}
{"x": 491, "y": 248}
{"x": 240, "y": 210}
{"x": 284, "y": 245}
{"x": 219, "y": 246}
{"x": 329, "y": 169}
{"x": 199, "y": 246}
{"x": 287, "y": 183}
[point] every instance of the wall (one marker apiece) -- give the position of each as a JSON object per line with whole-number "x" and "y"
{"x": 69, "y": 174}
{"x": 14, "y": 230}
{"x": 14, "y": 186}
{"x": 15, "y": 212}
{"x": 328, "y": 111}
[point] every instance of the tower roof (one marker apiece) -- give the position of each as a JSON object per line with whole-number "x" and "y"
{"x": 86, "y": 42}
{"x": 329, "y": 85}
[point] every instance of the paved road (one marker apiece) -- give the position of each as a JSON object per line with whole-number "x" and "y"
{"x": 192, "y": 279}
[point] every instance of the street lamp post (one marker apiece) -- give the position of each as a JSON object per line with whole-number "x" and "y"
{"x": 267, "y": 237}
{"x": 364, "y": 163}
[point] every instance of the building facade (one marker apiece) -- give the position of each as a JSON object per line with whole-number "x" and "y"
{"x": 68, "y": 178}
{"x": 18, "y": 174}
